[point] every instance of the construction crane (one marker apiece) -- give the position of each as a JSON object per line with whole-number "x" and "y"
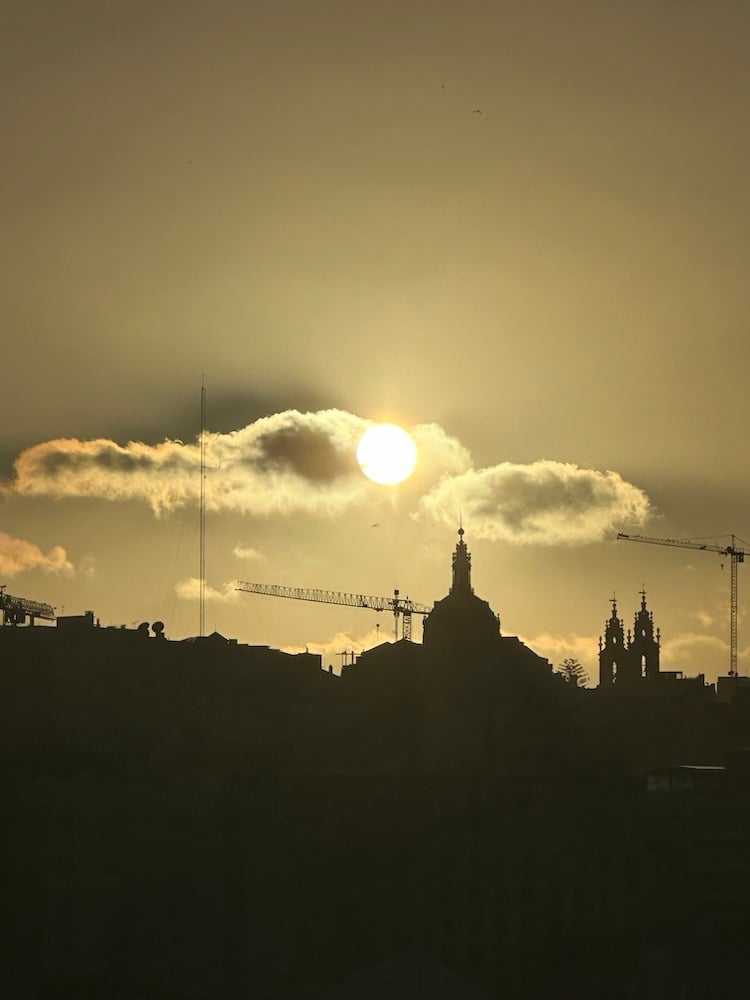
{"x": 735, "y": 556}
{"x": 17, "y": 609}
{"x": 399, "y": 606}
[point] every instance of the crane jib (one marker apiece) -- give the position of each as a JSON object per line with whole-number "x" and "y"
{"x": 735, "y": 556}
{"x": 401, "y": 607}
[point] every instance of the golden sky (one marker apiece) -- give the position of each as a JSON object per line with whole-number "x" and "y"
{"x": 519, "y": 230}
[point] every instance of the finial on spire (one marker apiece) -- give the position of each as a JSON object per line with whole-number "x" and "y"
{"x": 461, "y": 564}
{"x": 613, "y": 602}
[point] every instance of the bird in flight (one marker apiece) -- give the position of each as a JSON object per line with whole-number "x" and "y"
{"x": 476, "y": 111}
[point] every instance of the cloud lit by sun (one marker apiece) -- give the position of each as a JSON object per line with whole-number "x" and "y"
{"x": 318, "y": 463}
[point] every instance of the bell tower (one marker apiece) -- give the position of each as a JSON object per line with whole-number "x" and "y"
{"x": 612, "y": 653}
{"x": 644, "y": 646}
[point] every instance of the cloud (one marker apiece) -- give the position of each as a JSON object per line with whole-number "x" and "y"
{"x": 17, "y": 555}
{"x": 557, "y": 647}
{"x": 331, "y": 649}
{"x": 87, "y": 567}
{"x": 246, "y": 552}
{"x": 543, "y": 503}
{"x": 696, "y": 652}
{"x": 705, "y": 619}
{"x": 438, "y": 454}
{"x": 288, "y": 461}
{"x": 306, "y": 462}
{"x": 688, "y": 645}
{"x": 189, "y": 590}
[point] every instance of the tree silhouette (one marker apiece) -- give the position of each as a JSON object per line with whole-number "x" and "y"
{"x": 573, "y": 672}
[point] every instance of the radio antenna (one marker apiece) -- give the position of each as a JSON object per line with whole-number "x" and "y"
{"x": 202, "y": 575}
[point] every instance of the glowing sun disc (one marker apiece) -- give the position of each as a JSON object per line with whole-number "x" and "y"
{"x": 386, "y": 454}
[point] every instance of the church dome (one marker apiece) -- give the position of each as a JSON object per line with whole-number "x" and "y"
{"x": 461, "y": 618}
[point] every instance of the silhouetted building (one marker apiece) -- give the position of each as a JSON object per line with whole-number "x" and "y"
{"x": 628, "y": 661}
{"x": 71, "y": 623}
{"x": 461, "y": 623}
{"x": 644, "y": 644}
{"x": 731, "y": 688}
{"x": 204, "y": 819}
{"x": 461, "y": 701}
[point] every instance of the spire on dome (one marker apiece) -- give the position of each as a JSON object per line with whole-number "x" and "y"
{"x": 461, "y": 566}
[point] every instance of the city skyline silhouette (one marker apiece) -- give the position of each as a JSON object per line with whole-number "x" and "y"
{"x": 303, "y": 206}
{"x": 238, "y": 238}
{"x": 203, "y": 818}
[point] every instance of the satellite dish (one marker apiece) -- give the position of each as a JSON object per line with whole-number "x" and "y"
{"x": 157, "y": 628}
{"x": 143, "y": 628}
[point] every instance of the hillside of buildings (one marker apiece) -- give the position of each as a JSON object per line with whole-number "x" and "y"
{"x": 204, "y": 819}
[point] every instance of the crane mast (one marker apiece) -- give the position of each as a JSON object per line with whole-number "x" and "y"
{"x": 399, "y": 606}
{"x": 735, "y": 555}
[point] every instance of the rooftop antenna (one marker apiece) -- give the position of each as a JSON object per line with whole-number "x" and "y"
{"x": 202, "y": 575}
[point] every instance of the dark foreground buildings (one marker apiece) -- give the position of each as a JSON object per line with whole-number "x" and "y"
{"x": 208, "y": 820}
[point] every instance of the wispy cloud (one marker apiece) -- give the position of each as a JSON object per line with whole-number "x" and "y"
{"x": 542, "y": 503}
{"x": 18, "y": 555}
{"x": 342, "y": 643}
{"x": 438, "y": 454}
{"x": 189, "y": 590}
{"x": 696, "y": 653}
{"x": 559, "y": 647}
{"x": 687, "y": 646}
{"x": 246, "y": 552}
{"x": 705, "y": 619}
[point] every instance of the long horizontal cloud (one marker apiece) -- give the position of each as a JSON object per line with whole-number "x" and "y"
{"x": 696, "y": 652}
{"x": 343, "y": 642}
{"x": 558, "y": 647}
{"x": 18, "y": 555}
{"x": 241, "y": 551}
{"x": 543, "y": 503}
{"x": 306, "y": 462}
{"x": 290, "y": 461}
{"x": 190, "y": 590}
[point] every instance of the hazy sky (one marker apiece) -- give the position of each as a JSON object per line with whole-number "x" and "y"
{"x": 520, "y": 228}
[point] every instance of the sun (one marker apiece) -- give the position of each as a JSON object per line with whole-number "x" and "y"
{"x": 386, "y": 454}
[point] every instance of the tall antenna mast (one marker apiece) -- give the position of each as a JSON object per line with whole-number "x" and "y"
{"x": 202, "y": 589}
